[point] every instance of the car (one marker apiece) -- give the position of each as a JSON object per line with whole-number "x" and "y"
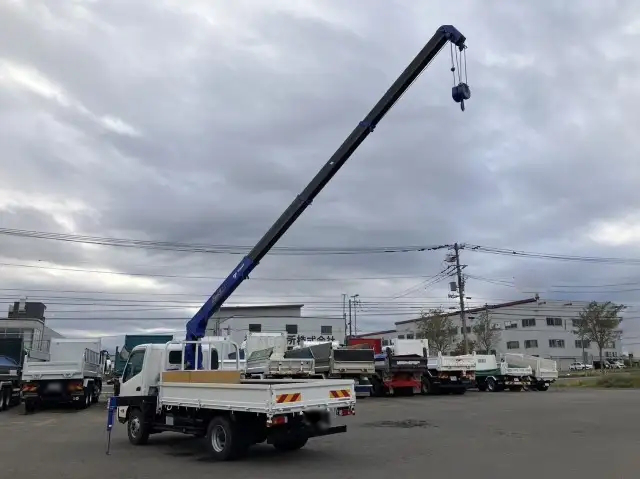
{"x": 577, "y": 366}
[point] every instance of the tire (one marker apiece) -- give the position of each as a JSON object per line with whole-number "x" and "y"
{"x": 29, "y": 407}
{"x": 378, "y": 387}
{"x": 491, "y": 385}
{"x": 8, "y": 400}
{"x": 224, "y": 441}
{"x": 424, "y": 387}
{"x": 290, "y": 443}
{"x": 542, "y": 387}
{"x": 138, "y": 429}
{"x": 85, "y": 400}
{"x": 4, "y": 403}
{"x": 95, "y": 398}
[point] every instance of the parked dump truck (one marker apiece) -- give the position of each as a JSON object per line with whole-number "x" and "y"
{"x": 449, "y": 374}
{"x": 266, "y": 358}
{"x": 73, "y": 374}
{"x": 493, "y": 375}
{"x": 400, "y": 367}
{"x": 336, "y": 362}
{"x": 545, "y": 371}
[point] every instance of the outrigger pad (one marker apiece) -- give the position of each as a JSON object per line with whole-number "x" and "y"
{"x": 202, "y": 377}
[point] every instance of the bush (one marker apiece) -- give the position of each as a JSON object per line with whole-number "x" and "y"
{"x": 614, "y": 381}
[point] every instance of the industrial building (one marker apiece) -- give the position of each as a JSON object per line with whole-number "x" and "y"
{"x": 532, "y": 326}
{"x": 237, "y": 321}
{"x": 27, "y": 320}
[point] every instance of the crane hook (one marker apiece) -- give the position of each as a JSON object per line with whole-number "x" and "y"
{"x": 460, "y": 93}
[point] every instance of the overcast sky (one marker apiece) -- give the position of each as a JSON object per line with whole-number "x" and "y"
{"x": 200, "y": 120}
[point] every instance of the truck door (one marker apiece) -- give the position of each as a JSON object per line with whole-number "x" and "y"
{"x": 132, "y": 377}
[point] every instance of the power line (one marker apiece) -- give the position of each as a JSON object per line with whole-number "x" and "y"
{"x": 551, "y": 256}
{"x": 208, "y": 248}
{"x": 161, "y": 275}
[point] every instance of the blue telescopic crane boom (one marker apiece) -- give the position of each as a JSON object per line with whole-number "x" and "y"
{"x": 196, "y": 327}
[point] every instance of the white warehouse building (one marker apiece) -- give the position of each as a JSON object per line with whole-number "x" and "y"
{"x": 237, "y": 321}
{"x": 531, "y": 326}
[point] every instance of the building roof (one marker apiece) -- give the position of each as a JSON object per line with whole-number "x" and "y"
{"x": 375, "y": 333}
{"x": 263, "y": 306}
{"x": 480, "y": 309}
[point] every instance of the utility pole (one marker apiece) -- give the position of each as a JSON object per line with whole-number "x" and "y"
{"x": 463, "y": 315}
{"x": 344, "y": 312}
{"x": 355, "y": 301}
{"x": 350, "y": 332}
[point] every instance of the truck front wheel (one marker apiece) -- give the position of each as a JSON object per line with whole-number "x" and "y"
{"x": 5, "y": 398}
{"x": 137, "y": 428}
{"x": 224, "y": 439}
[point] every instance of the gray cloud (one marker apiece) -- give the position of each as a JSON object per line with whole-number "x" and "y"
{"x": 200, "y": 121}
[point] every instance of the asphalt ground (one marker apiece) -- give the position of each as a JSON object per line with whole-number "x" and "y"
{"x": 584, "y": 433}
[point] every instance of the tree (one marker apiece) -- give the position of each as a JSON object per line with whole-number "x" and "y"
{"x": 438, "y": 329}
{"x": 599, "y": 323}
{"x": 487, "y": 336}
{"x": 459, "y": 349}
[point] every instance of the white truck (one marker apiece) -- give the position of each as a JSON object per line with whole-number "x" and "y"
{"x": 449, "y": 374}
{"x": 73, "y": 374}
{"x": 266, "y": 358}
{"x": 544, "y": 371}
{"x": 493, "y": 375}
{"x": 231, "y": 412}
{"x": 330, "y": 360}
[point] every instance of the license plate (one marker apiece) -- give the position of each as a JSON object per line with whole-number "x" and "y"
{"x": 54, "y": 387}
{"x": 454, "y": 378}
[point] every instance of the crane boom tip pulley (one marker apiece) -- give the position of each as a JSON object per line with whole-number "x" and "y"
{"x": 196, "y": 327}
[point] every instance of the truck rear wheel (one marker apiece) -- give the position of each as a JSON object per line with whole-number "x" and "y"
{"x": 224, "y": 441}
{"x": 29, "y": 406}
{"x": 543, "y": 387}
{"x": 95, "y": 397}
{"x": 4, "y": 399}
{"x": 290, "y": 443}
{"x": 491, "y": 385}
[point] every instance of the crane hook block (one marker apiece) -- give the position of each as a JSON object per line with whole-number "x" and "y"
{"x": 460, "y": 93}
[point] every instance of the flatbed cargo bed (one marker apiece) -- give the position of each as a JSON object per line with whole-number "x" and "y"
{"x": 270, "y": 397}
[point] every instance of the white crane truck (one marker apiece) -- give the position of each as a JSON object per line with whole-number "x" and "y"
{"x": 157, "y": 395}
{"x": 73, "y": 374}
{"x": 233, "y": 412}
{"x": 494, "y": 376}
